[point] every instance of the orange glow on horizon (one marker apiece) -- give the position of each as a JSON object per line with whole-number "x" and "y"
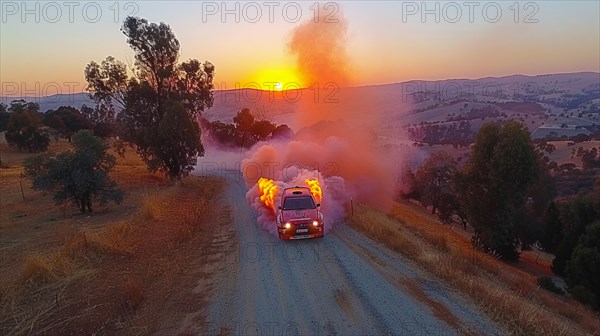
{"x": 276, "y": 79}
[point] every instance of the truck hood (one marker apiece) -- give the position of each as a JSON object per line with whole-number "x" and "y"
{"x": 290, "y": 215}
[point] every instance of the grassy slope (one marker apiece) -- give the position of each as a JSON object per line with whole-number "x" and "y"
{"x": 62, "y": 272}
{"x": 506, "y": 293}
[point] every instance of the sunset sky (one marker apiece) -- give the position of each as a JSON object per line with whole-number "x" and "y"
{"x": 387, "y": 41}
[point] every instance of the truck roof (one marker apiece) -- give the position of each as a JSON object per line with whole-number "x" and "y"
{"x": 296, "y": 191}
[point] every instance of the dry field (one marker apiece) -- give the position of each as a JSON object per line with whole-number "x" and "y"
{"x": 135, "y": 268}
{"x": 114, "y": 271}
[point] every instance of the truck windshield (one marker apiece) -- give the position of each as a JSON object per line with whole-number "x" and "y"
{"x": 298, "y": 203}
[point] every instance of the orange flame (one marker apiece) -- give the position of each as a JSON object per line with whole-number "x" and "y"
{"x": 315, "y": 189}
{"x": 268, "y": 191}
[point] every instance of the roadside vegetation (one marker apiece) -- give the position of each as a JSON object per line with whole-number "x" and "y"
{"x": 508, "y": 294}
{"x": 65, "y": 272}
{"x": 245, "y": 131}
{"x": 79, "y": 176}
{"x": 506, "y": 197}
{"x": 98, "y": 239}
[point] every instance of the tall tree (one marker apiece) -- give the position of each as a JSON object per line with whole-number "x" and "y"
{"x": 583, "y": 269}
{"x": 552, "y": 228}
{"x": 245, "y": 131}
{"x": 539, "y": 200}
{"x": 156, "y": 53}
{"x": 262, "y": 129}
{"x": 502, "y": 168}
{"x": 575, "y": 215}
{"x": 243, "y": 123}
{"x": 180, "y": 136}
{"x": 107, "y": 83}
{"x": 160, "y": 88}
{"x": 72, "y": 121}
{"x": 23, "y": 129}
{"x": 433, "y": 179}
{"x": 4, "y": 118}
{"x": 450, "y": 207}
{"x": 102, "y": 118}
{"x": 79, "y": 175}
{"x": 283, "y": 132}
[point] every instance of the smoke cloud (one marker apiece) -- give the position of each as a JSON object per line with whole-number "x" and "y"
{"x": 341, "y": 157}
{"x": 319, "y": 45}
{"x": 332, "y": 203}
{"x": 336, "y": 146}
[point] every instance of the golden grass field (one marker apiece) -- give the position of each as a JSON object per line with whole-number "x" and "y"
{"x": 63, "y": 272}
{"x": 508, "y": 293}
{"x": 128, "y": 269}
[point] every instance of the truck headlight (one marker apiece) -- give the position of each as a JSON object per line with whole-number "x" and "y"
{"x": 288, "y": 225}
{"x": 315, "y": 223}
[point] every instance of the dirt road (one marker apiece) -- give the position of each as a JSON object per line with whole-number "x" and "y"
{"x": 342, "y": 284}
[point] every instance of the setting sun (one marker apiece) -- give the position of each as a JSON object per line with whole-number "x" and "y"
{"x": 275, "y": 78}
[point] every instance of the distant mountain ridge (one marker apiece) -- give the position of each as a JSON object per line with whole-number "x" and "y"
{"x": 55, "y": 101}
{"x": 383, "y": 96}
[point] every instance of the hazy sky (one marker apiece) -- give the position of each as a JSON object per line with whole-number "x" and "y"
{"x": 46, "y": 45}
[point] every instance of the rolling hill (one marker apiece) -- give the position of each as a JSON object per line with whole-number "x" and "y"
{"x": 554, "y": 104}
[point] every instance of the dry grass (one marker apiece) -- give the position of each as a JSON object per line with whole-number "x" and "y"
{"x": 36, "y": 270}
{"x": 52, "y": 254}
{"x": 506, "y": 295}
{"x": 381, "y": 227}
{"x": 152, "y": 207}
{"x": 77, "y": 251}
{"x": 167, "y": 219}
{"x": 133, "y": 295}
{"x": 115, "y": 239}
{"x": 427, "y": 228}
{"x": 93, "y": 245}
